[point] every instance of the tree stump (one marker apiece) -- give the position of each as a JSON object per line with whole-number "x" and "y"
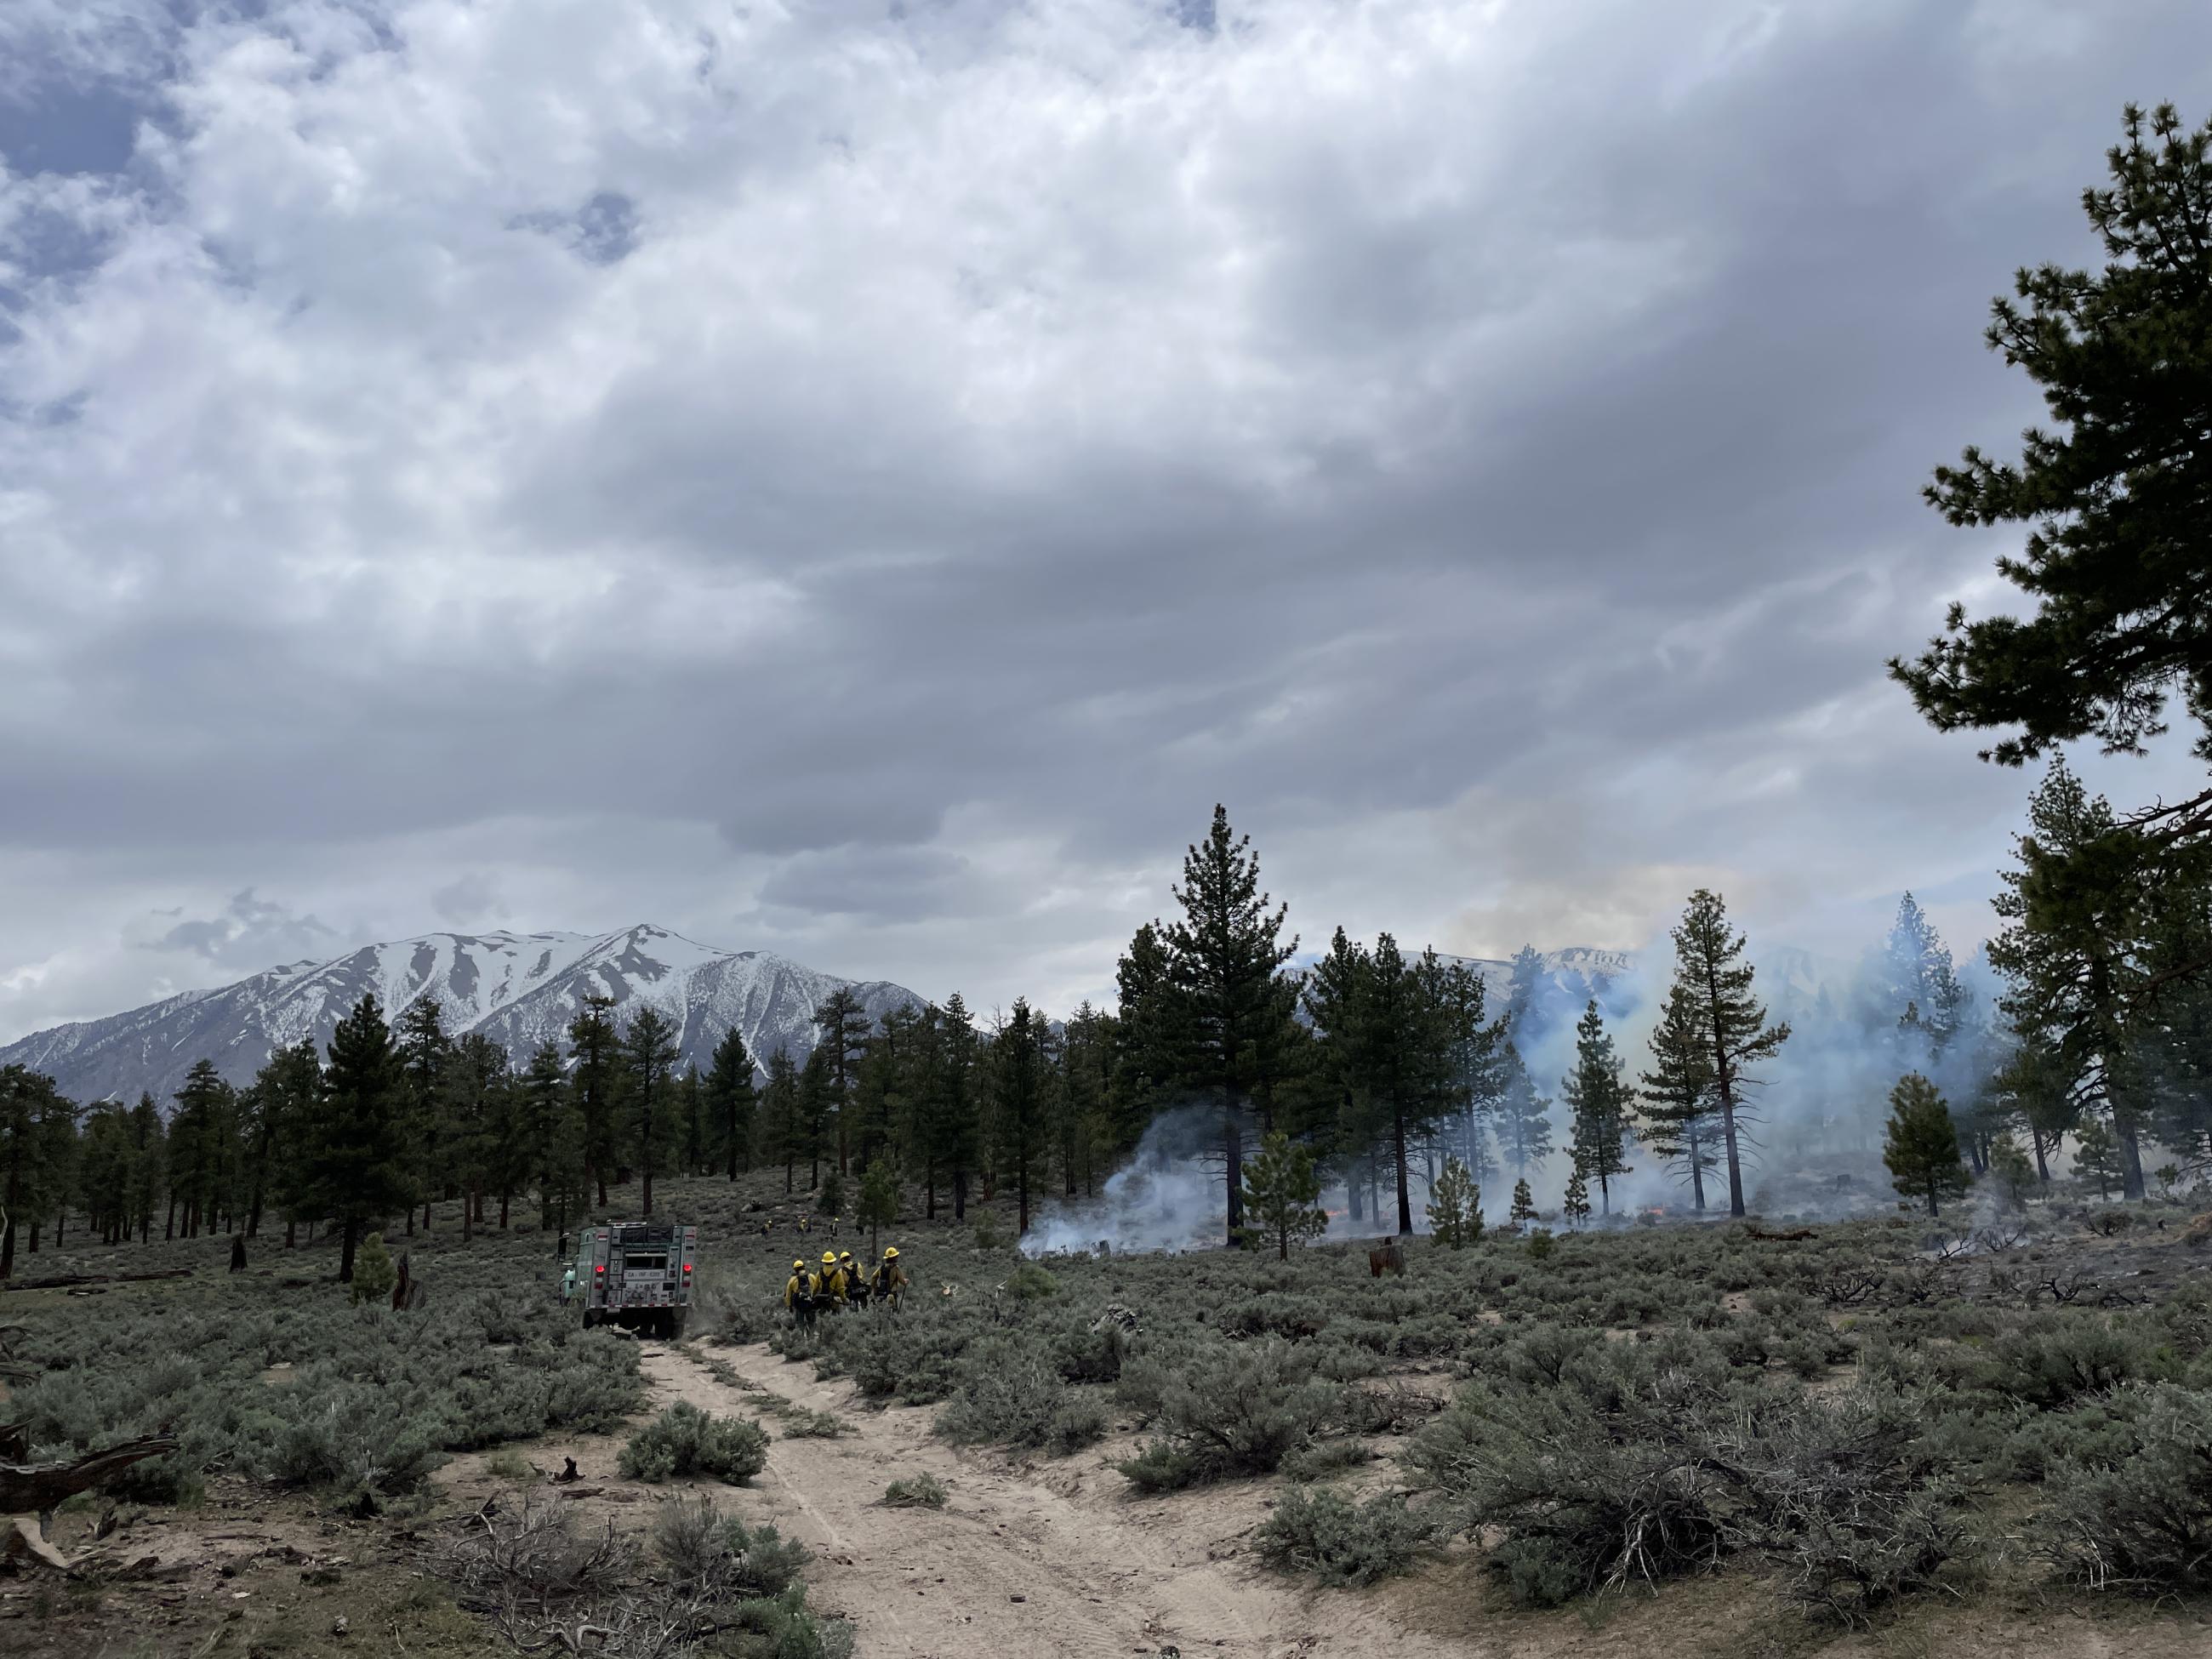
{"x": 238, "y": 1253}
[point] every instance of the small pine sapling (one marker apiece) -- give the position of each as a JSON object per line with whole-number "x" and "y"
{"x": 1576, "y": 1204}
{"x": 1922, "y": 1147}
{"x": 1455, "y": 1206}
{"x": 1524, "y": 1204}
{"x": 1281, "y": 1191}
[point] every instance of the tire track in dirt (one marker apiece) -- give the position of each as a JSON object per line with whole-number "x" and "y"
{"x": 1070, "y": 1570}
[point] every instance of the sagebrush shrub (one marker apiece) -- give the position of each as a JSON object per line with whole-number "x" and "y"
{"x": 2142, "y": 1519}
{"x": 1324, "y": 1534}
{"x": 684, "y": 1440}
{"x": 1229, "y": 1409}
{"x": 1012, "y": 1395}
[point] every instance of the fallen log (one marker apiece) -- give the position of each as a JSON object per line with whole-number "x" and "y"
{"x": 30, "y": 1491}
{"x": 57, "y": 1281}
{"x": 1794, "y": 1236}
{"x": 38, "y": 1486}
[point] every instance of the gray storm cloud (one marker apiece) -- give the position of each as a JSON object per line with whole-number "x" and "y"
{"x": 984, "y": 436}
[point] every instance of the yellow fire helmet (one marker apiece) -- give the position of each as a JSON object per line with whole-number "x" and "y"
{"x": 799, "y": 1267}
{"x": 891, "y": 1255}
{"x": 828, "y": 1258}
{"x": 844, "y": 1255}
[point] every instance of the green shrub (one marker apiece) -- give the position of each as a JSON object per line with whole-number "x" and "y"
{"x": 1324, "y": 1536}
{"x": 924, "y": 1491}
{"x": 1029, "y": 1283}
{"x": 1011, "y": 1395}
{"x": 706, "y": 1550}
{"x": 2142, "y": 1520}
{"x": 1541, "y": 1245}
{"x": 684, "y": 1440}
{"x": 1230, "y": 1409}
{"x": 375, "y": 1278}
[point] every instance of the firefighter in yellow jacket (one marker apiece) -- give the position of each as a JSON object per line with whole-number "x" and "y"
{"x": 832, "y": 1280}
{"x": 799, "y": 1293}
{"x": 890, "y": 1279}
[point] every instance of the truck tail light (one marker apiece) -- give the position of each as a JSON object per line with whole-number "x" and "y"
{"x": 687, "y": 1267}
{"x": 601, "y": 1269}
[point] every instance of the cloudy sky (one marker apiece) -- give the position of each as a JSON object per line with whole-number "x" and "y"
{"x": 863, "y": 478}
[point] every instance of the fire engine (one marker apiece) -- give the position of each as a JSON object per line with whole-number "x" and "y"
{"x": 638, "y": 1274}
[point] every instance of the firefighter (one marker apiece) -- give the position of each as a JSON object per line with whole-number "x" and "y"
{"x": 856, "y": 1282}
{"x": 799, "y": 1293}
{"x": 890, "y": 1279}
{"x": 832, "y": 1281}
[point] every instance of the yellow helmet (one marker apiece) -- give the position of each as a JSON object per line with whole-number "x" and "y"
{"x": 891, "y": 1255}
{"x": 828, "y": 1258}
{"x": 844, "y": 1255}
{"x": 799, "y": 1267}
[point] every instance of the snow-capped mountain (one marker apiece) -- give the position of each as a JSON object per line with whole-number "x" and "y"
{"x": 521, "y": 990}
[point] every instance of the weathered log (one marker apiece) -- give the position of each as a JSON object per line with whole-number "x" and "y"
{"x": 57, "y": 1281}
{"x": 30, "y": 1488}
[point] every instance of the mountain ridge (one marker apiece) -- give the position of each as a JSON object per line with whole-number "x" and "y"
{"x": 521, "y": 990}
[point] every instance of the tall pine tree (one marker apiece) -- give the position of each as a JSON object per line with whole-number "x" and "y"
{"x": 353, "y": 1166}
{"x": 1731, "y": 1024}
{"x": 1598, "y": 1103}
{"x": 1226, "y": 957}
{"x": 1678, "y": 1093}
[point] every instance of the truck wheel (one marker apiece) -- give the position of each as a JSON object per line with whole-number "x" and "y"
{"x": 675, "y": 1322}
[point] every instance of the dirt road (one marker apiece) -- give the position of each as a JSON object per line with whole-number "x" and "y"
{"x": 1051, "y": 1558}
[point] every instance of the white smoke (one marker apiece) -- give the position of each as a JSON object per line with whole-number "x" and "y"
{"x": 1170, "y": 1196}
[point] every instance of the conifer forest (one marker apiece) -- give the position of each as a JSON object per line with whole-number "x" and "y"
{"x": 1299, "y": 1293}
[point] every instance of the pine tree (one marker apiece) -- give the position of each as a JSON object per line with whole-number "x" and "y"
{"x": 1678, "y": 1104}
{"x": 1576, "y": 1204}
{"x": 2097, "y": 1155}
{"x": 1522, "y": 985}
{"x": 817, "y": 1113}
{"x": 842, "y": 1028}
{"x": 1226, "y": 957}
{"x": 782, "y": 1136}
{"x": 731, "y": 1100}
{"x": 31, "y": 1175}
{"x": 471, "y": 1087}
{"x": 1524, "y": 1205}
{"x": 957, "y": 1113}
{"x": 1524, "y": 1117}
{"x": 1280, "y": 1195}
{"x": 1921, "y": 1148}
{"x": 2012, "y": 1172}
{"x": 553, "y": 1134}
{"x": 1021, "y": 1073}
{"x": 2071, "y": 922}
{"x": 354, "y": 1166}
{"x": 149, "y": 1164}
{"x": 880, "y": 1196}
{"x": 288, "y": 1096}
{"x": 1731, "y": 1024}
{"x": 596, "y": 1052}
{"x": 1598, "y": 1100}
{"x": 2118, "y": 553}
{"x": 691, "y": 1121}
{"x": 419, "y": 1035}
{"x": 1084, "y": 1132}
{"x": 647, "y": 1090}
{"x": 198, "y": 1137}
{"x": 1149, "y": 1040}
{"x": 1455, "y": 1205}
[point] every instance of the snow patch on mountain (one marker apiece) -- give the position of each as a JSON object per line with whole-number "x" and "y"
{"x": 520, "y": 989}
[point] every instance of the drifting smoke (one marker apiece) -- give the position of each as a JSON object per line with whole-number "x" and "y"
{"x": 1811, "y": 1127}
{"x": 1170, "y": 1196}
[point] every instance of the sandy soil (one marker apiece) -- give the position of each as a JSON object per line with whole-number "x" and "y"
{"x": 1050, "y": 1557}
